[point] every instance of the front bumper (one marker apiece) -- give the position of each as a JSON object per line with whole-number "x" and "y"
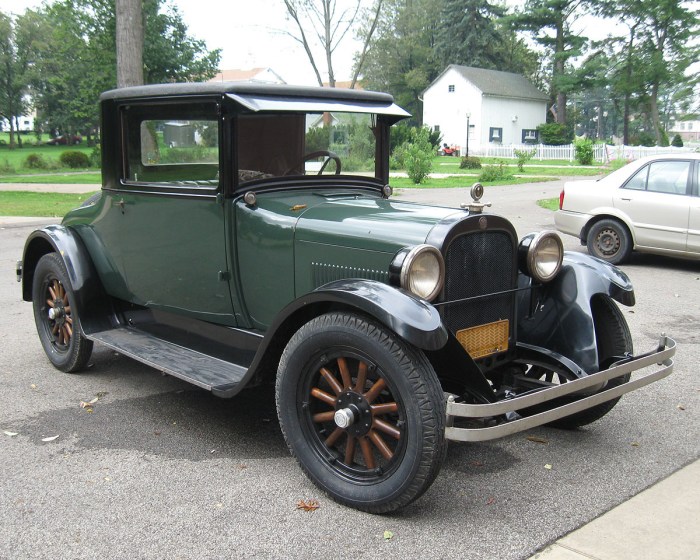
{"x": 661, "y": 359}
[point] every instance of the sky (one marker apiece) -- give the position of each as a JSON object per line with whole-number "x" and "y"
{"x": 252, "y": 34}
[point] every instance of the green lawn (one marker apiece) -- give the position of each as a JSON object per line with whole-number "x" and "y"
{"x": 21, "y": 203}
{"x": 534, "y": 168}
{"x": 549, "y": 203}
{"x": 465, "y": 181}
{"x": 13, "y": 161}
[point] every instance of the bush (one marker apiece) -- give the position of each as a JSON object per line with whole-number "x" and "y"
{"x": 555, "y": 134}
{"x": 418, "y": 155}
{"x": 677, "y": 141}
{"x": 74, "y": 159}
{"x": 495, "y": 173}
{"x": 35, "y": 161}
{"x": 643, "y": 139}
{"x": 6, "y": 167}
{"x": 96, "y": 156}
{"x": 523, "y": 157}
{"x": 470, "y": 162}
{"x": 584, "y": 151}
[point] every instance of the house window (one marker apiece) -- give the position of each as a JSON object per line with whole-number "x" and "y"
{"x": 495, "y": 134}
{"x": 682, "y": 126}
{"x": 451, "y": 88}
{"x": 436, "y": 128}
{"x": 690, "y": 126}
{"x": 529, "y": 136}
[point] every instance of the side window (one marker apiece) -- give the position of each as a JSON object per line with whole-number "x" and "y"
{"x": 495, "y": 134}
{"x": 669, "y": 177}
{"x": 638, "y": 182}
{"x": 167, "y": 145}
{"x": 662, "y": 177}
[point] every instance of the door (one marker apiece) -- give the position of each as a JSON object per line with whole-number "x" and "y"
{"x": 657, "y": 199}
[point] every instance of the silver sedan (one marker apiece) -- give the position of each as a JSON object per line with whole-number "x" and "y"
{"x": 650, "y": 205}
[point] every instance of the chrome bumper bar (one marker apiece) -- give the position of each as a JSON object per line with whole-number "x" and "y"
{"x": 661, "y": 358}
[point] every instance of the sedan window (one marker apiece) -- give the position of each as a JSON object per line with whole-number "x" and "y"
{"x": 662, "y": 177}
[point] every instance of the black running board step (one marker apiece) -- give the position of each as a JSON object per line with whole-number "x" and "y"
{"x": 194, "y": 367}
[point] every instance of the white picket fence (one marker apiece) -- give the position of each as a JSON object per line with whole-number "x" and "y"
{"x": 601, "y": 152}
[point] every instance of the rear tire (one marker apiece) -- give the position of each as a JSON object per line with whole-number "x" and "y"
{"x": 56, "y": 316}
{"x": 388, "y": 444}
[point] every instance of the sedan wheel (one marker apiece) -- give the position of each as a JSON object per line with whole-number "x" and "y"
{"x": 609, "y": 240}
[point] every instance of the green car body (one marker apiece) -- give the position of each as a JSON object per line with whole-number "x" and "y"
{"x": 246, "y": 233}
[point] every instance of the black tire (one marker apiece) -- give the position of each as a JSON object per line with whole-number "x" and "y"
{"x": 56, "y": 316}
{"x": 613, "y": 339}
{"x": 609, "y": 240}
{"x": 393, "y": 450}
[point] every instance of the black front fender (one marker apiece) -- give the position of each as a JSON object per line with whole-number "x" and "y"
{"x": 413, "y": 319}
{"x": 92, "y": 302}
{"x": 558, "y": 315}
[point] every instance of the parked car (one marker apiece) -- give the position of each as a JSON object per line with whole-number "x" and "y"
{"x": 226, "y": 264}
{"x": 65, "y": 139}
{"x": 650, "y": 205}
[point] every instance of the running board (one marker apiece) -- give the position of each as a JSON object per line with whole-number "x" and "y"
{"x": 207, "y": 372}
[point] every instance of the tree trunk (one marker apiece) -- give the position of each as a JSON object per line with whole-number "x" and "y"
{"x": 129, "y": 43}
{"x": 559, "y": 70}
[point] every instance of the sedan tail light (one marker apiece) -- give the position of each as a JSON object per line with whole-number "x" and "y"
{"x": 561, "y": 200}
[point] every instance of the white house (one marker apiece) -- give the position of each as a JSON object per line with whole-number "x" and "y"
{"x": 689, "y": 130}
{"x": 499, "y": 107}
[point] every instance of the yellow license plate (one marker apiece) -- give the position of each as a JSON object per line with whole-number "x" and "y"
{"x": 485, "y": 340}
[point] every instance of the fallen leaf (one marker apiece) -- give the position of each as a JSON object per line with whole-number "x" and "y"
{"x": 107, "y": 479}
{"x": 491, "y": 501}
{"x": 680, "y": 407}
{"x": 101, "y": 394}
{"x": 52, "y": 438}
{"x": 635, "y": 444}
{"x": 32, "y": 386}
{"x": 388, "y": 535}
{"x": 213, "y": 451}
{"x": 308, "y": 505}
{"x": 93, "y": 401}
{"x": 537, "y": 439}
{"x": 11, "y": 434}
{"x": 548, "y": 467}
{"x": 476, "y": 463}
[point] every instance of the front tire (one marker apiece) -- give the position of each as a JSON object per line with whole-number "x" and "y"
{"x": 56, "y": 316}
{"x": 362, "y": 412}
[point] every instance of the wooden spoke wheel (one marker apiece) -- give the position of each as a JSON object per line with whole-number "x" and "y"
{"x": 361, "y": 411}
{"x": 56, "y": 316}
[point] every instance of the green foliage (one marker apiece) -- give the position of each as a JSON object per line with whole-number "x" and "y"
{"x": 418, "y": 155}
{"x": 523, "y": 157}
{"x": 6, "y": 166}
{"x": 96, "y": 156}
{"x": 664, "y": 139}
{"x": 75, "y": 159}
{"x": 555, "y": 134}
{"x": 584, "y": 151}
{"x": 677, "y": 141}
{"x": 317, "y": 139}
{"x": 643, "y": 139}
{"x": 35, "y": 161}
{"x": 617, "y": 164}
{"x": 470, "y": 162}
{"x": 495, "y": 173}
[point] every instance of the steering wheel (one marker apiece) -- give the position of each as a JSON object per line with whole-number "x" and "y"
{"x": 330, "y": 156}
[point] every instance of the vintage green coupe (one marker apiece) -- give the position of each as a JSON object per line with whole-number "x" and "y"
{"x": 246, "y": 233}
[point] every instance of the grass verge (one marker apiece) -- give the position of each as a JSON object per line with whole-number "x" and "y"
{"x": 22, "y": 203}
{"x": 549, "y": 203}
{"x": 56, "y": 178}
{"x": 463, "y": 182}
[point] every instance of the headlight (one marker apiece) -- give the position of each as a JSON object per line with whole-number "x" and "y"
{"x": 423, "y": 272}
{"x": 540, "y": 255}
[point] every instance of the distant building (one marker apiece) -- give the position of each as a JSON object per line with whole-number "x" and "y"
{"x": 502, "y": 107}
{"x": 257, "y": 75}
{"x": 688, "y": 130}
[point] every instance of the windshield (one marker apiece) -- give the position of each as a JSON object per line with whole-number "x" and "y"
{"x": 305, "y": 144}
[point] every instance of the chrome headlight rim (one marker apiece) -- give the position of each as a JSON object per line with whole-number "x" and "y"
{"x": 536, "y": 244}
{"x": 407, "y": 270}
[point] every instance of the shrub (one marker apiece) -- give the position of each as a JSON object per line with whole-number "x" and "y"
{"x": 6, "y": 167}
{"x": 584, "y": 151}
{"x": 35, "y": 161}
{"x": 495, "y": 173}
{"x": 74, "y": 159}
{"x": 470, "y": 162}
{"x": 96, "y": 156}
{"x": 418, "y": 155}
{"x": 643, "y": 139}
{"x": 523, "y": 157}
{"x": 555, "y": 134}
{"x": 677, "y": 141}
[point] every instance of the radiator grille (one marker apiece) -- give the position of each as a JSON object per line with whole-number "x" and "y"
{"x": 477, "y": 264}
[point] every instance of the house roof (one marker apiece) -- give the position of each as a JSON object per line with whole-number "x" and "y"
{"x": 497, "y": 83}
{"x": 250, "y": 75}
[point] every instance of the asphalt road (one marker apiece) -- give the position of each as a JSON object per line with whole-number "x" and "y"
{"x": 161, "y": 469}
